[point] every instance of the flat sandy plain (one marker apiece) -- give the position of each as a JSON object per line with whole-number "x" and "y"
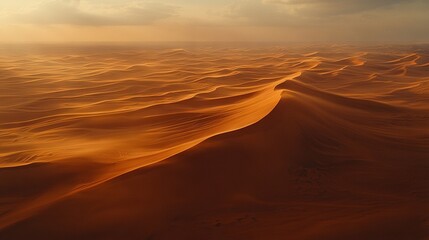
{"x": 302, "y": 142}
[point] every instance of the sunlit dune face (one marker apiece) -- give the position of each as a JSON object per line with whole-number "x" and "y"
{"x": 133, "y": 104}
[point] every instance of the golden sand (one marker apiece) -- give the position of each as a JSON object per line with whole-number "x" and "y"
{"x": 320, "y": 142}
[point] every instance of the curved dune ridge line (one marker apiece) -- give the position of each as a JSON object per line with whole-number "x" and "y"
{"x": 79, "y": 125}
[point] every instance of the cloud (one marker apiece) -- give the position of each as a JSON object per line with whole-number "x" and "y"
{"x": 259, "y": 20}
{"x": 354, "y": 20}
{"x": 317, "y": 12}
{"x": 258, "y": 12}
{"x": 71, "y": 12}
{"x": 335, "y": 7}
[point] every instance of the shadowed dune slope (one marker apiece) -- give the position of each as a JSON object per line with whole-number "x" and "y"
{"x": 326, "y": 145}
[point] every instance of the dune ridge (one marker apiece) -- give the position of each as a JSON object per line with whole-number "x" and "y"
{"x": 80, "y": 127}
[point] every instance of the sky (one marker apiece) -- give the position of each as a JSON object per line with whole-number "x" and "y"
{"x": 214, "y": 20}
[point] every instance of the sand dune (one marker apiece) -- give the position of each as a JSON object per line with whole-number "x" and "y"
{"x": 315, "y": 142}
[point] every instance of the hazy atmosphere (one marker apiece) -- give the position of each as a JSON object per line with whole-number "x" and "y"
{"x": 214, "y": 120}
{"x": 221, "y": 20}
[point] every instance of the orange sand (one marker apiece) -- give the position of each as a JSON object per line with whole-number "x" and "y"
{"x": 321, "y": 142}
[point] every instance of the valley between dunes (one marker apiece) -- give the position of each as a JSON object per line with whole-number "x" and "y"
{"x": 302, "y": 142}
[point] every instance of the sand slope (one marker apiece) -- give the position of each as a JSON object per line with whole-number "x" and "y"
{"x": 334, "y": 146}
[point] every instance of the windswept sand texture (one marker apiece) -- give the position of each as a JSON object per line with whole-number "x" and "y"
{"x": 321, "y": 142}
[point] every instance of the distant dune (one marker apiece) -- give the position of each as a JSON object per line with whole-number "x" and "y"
{"x": 316, "y": 142}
